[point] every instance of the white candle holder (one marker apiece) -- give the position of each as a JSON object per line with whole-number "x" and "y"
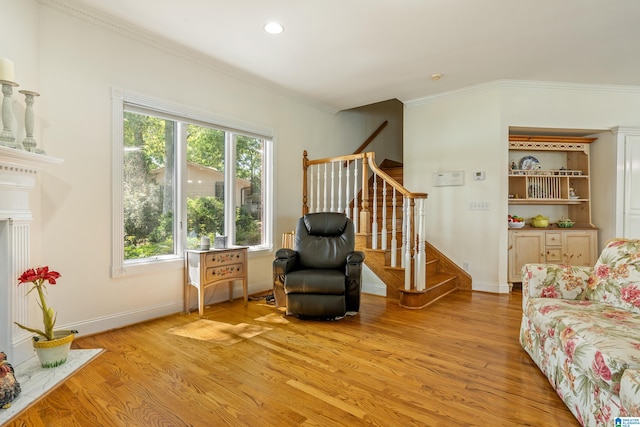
{"x": 7, "y": 138}
{"x": 29, "y": 141}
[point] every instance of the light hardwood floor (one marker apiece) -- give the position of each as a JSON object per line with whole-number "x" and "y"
{"x": 456, "y": 362}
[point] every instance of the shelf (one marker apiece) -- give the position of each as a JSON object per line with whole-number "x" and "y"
{"x": 554, "y": 227}
{"x": 517, "y": 173}
{"x": 547, "y": 201}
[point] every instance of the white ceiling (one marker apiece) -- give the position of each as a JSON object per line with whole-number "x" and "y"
{"x": 349, "y": 53}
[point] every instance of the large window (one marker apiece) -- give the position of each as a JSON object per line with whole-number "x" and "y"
{"x": 181, "y": 174}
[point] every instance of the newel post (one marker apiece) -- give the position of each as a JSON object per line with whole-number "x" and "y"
{"x": 365, "y": 216}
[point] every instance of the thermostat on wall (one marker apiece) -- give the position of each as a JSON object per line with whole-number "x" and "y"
{"x": 443, "y": 179}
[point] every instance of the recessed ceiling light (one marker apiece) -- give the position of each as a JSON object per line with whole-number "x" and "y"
{"x": 273, "y": 28}
{"x": 435, "y": 76}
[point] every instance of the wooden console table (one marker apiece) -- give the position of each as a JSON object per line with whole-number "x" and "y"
{"x": 212, "y": 267}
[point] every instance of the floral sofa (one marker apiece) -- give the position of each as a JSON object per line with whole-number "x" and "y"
{"x": 581, "y": 326}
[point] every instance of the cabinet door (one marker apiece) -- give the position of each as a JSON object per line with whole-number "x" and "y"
{"x": 579, "y": 247}
{"x": 525, "y": 247}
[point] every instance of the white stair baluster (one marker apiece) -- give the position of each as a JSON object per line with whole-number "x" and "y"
{"x": 404, "y": 230}
{"x": 374, "y": 226}
{"x": 347, "y": 199}
{"x": 355, "y": 195}
{"x": 406, "y": 245}
{"x": 324, "y": 186}
{"x": 318, "y": 188}
{"x": 333, "y": 192}
{"x": 394, "y": 240}
{"x": 340, "y": 187}
{"x": 310, "y": 202}
{"x": 383, "y": 244}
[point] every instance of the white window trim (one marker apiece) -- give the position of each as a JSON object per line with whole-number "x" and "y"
{"x": 119, "y": 97}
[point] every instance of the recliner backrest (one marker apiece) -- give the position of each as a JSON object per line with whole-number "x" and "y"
{"x": 324, "y": 239}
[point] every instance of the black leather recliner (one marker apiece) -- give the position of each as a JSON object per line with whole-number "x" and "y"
{"x": 322, "y": 276}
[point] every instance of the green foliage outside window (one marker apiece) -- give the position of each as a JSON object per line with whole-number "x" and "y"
{"x": 149, "y": 188}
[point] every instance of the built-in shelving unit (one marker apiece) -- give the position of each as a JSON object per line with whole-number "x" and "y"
{"x": 562, "y": 178}
{"x": 550, "y": 171}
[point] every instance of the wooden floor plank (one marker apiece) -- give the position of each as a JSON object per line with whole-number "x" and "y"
{"x": 456, "y": 362}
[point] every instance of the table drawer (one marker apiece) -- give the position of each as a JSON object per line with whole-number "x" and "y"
{"x": 224, "y": 272}
{"x": 214, "y": 259}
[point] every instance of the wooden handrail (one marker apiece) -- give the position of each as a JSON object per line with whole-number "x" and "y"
{"x": 348, "y": 157}
{"x": 395, "y": 184}
{"x": 371, "y": 138}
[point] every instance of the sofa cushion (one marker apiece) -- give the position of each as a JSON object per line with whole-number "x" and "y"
{"x": 616, "y": 275}
{"x": 601, "y": 339}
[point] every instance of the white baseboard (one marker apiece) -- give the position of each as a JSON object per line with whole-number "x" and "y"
{"x": 374, "y": 289}
{"x": 119, "y": 320}
{"x": 491, "y": 287}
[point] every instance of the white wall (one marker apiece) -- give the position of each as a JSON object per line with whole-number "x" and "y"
{"x": 468, "y": 130}
{"x": 459, "y": 133}
{"x": 603, "y": 185}
{"x": 389, "y": 143}
{"x": 74, "y": 63}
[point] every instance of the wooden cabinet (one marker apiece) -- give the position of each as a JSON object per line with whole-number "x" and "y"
{"x": 550, "y": 175}
{"x": 551, "y": 171}
{"x": 525, "y": 247}
{"x": 551, "y": 246}
{"x": 213, "y": 267}
{"x": 580, "y": 247}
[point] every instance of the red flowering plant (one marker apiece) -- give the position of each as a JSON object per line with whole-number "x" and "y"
{"x": 38, "y": 277}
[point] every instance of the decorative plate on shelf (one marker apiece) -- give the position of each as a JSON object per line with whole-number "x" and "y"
{"x": 529, "y": 163}
{"x": 536, "y": 192}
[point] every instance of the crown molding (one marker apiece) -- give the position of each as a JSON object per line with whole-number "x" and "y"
{"x": 525, "y": 84}
{"x": 96, "y": 17}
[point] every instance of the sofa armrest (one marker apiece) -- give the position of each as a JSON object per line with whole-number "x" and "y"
{"x": 554, "y": 281}
{"x": 630, "y": 392}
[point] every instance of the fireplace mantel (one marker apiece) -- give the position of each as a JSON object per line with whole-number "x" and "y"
{"x": 18, "y": 170}
{"x": 20, "y": 161}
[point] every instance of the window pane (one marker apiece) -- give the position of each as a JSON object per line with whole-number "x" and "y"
{"x": 205, "y": 183}
{"x": 248, "y": 187}
{"x": 148, "y": 186}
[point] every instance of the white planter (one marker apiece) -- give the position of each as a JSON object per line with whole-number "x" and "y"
{"x": 54, "y": 353}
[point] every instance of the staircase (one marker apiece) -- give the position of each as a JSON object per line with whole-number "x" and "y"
{"x": 336, "y": 184}
{"x": 442, "y": 275}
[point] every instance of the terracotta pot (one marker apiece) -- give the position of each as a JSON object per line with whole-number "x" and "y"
{"x": 54, "y": 352}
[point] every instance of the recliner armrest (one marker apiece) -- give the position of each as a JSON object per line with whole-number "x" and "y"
{"x": 286, "y": 260}
{"x": 355, "y": 257}
{"x": 353, "y": 269}
{"x": 285, "y": 253}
